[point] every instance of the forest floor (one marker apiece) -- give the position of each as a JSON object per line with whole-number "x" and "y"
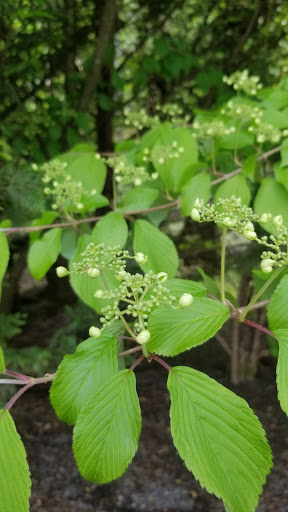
{"x": 156, "y": 480}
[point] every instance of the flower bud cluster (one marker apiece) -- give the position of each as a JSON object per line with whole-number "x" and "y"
{"x": 141, "y": 293}
{"x": 174, "y": 112}
{"x": 241, "y": 81}
{"x": 241, "y": 111}
{"x": 265, "y": 132}
{"x": 168, "y": 153}
{"x": 140, "y": 119}
{"x": 211, "y": 129}
{"x": 128, "y": 173}
{"x": 98, "y": 257}
{"x": 240, "y": 218}
{"x": 63, "y": 190}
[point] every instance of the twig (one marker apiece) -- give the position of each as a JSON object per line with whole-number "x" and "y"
{"x": 223, "y": 344}
{"x": 130, "y": 351}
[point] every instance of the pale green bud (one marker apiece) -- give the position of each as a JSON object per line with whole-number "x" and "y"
{"x": 195, "y": 215}
{"x": 266, "y": 265}
{"x": 185, "y": 300}
{"x": 143, "y": 337}
{"x": 277, "y": 221}
{"x": 154, "y": 175}
{"x": 249, "y": 226}
{"x": 162, "y": 277}
{"x": 265, "y": 217}
{"x": 94, "y": 332}
{"x": 99, "y": 294}
{"x": 228, "y": 222}
{"x": 62, "y": 271}
{"x": 161, "y": 160}
{"x": 80, "y": 206}
{"x": 137, "y": 182}
{"x": 198, "y": 203}
{"x": 34, "y": 167}
{"x": 140, "y": 257}
{"x": 250, "y": 235}
{"x": 121, "y": 275}
{"x": 93, "y": 272}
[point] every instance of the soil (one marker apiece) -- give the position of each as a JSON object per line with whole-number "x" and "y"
{"x": 157, "y": 479}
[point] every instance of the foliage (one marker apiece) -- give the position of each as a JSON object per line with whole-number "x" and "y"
{"x": 223, "y": 168}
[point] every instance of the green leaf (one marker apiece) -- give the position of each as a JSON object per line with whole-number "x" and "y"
{"x": 80, "y": 376}
{"x": 235, "y": 186}
{"x": 83, "y": 285}
{"x": 86, "y": 168}
{"x": 161, "y": 252}
{"x": 107, "y": 430}
{"x": 2, "y": 361}
{"x": 175, "y": 172}
{"x": 4, "y": 257}
{"x": 219, "y": 438}
{"x": 249, "y": 166}
{"x": 210, "y": 284}
{"x": 139, "y": 198}
{"x": 47, "y": 218}
{"x": 111, "y": 230}
{"x": 277, "y": 309}
{"x": 271, "y": 198}
{"x": 179, "y": 286}
{"x": 237, "y": 140}
{"x": 68, "y": 243}
{"x": 197, "y": 187}
{"x": 15, "y": 480}
{"x": 282, "y": 368}
{"x": 174, "y": 331}
{"x": 44, "y": 252}
{"x": 284, "y": 153}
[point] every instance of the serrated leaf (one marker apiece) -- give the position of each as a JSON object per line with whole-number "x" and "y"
{"x": 44, "y": 252}
{"x": 139, "y": 198}
{"x": 80, "y": 376}
{"x": 277, "y": 309}
{"x": 175, "y": 172}
{"x": 2, "y": 361}
{"x": 197, "y": 187}
{"x": 15, "y": 480}
{"x": 111, "y": 230}
{"x": 161, "y": 252}
{"x": 107, "y": 430}
{"x": 179, "y": 286}
{"x": 4, "y": 257}
{"x": 272, "y": 197}
{"x": 174, "y": 331}
{"x": 219, "y": 438}
{"x": 235, "y": 186}
{"x": 282, "y": 368}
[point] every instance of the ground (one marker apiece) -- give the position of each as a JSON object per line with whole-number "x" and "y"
{"x": 156, "y": 480}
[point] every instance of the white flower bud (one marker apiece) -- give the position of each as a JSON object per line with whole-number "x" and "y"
{"x": 97, "y": 156}
{"x": 161, "y": 160}
{"x": 198, "y": 203}
{"x": 162, "y": 277}
{"x": 277, "y": 221}
{"x": 185, "y": 300}
{"x": 140, "y": 257}
{"x": 94, "y": 332}
{"x": 266, "y": 265}
{"x": 80, "y": 206}
{"x": 34, "y": 167}
{"x": 195, "y": 215}
{"x": 265, "y": 217}
{"x": 228, "y": 222}
{"x": 249, "y": 226}
{"x": 154, "y": 175}
{"x": 121, "y": 275}
{"x": 137, "y": 182}
{"x": 143, "y": 337}
{"x": 99, "y": 294}
{"x": 250, "y": 235}
{"x": 62, "y": 271}
{"x": 93, "y": 272}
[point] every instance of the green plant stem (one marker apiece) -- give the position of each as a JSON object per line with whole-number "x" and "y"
{"x": 114, "y": 188}
{"x": 145, "y": 351}
{"x": 223, "y": 254}
{"x": 258, "y": 294}
{"x": 127, "y": 327}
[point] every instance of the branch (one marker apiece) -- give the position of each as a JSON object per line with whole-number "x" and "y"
{"x": 105, "y": 32}
{"x": 237, "y": 171}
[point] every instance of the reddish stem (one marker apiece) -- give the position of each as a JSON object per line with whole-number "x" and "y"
{"x": 17, "y": 375}
{"x": 138, "y": 361}
{"x": 259, "y": 327}
{"x": 160, "y": 361}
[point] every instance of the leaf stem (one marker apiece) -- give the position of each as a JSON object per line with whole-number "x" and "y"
{"x": 223, "y": 254}
{"x": 138, "y": 361}
{"x": 160, "y": 361}
{"x": 127, "y": 327}
{"x": 259, "y": 327}
{"x": 259, "y": 293}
